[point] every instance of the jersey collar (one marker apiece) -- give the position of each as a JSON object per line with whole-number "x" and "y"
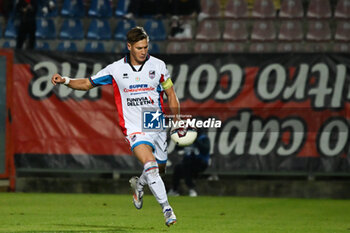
{"x": 127, "y": 60}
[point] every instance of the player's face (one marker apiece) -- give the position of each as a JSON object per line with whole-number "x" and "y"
{"x": 138, "y": 52}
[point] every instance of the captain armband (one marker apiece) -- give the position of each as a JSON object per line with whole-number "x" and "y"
{"x": 167, "y": 84}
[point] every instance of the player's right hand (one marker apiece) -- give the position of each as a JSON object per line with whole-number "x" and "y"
{"x": 57, "y": 79}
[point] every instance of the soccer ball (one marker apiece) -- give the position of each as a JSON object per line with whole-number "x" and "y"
{"x": 183, "y": 136}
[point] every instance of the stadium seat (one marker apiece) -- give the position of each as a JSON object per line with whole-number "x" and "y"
{"x": 120, "y": 47}
{"x": 319, "y": 9}
{"x": 263, "y": 30}
{"x": 116, "y": 48}
{"x": 67, "y": 46}
{"x": 72, "y": 29}
{"x": 236, "y": 9}
{"x": 235, "y": 30}
{"x": 11, "y": 28}
{"x": 318, "y": 30}
{"x": 123, "y": 26}
{"x": 73, "y": 8}
{"x": 291, "y": 9}
{"x": 232, "y": 47}
{"x": 342, "y": 32}
{"x": 290, "y": 30}
{"x": 99, "y": 29}
{"x": 100, "y": 8}
{"x": 94, "y": 47}
{"x": 284, "y": 47}
{"x": 50, "y": 12}
{"x": 316, "y": 47}
{"x": 209, "y": 9}
{"x": 42, "y": 45}
{"x": 208, "y": 29}
{"x": 122, "y": 8}
{"x": 263, "y": 9}
{"x": 341, "y": 48}
{"x": 45, "y": 29}
{"x": 204, "y": 47}
{"x": 342, "y": 9}
{"x": 178, "y": 47}
{"x": 261, "y": 47}
{"x": 155, "y": 29}
{"x": 153, "y": 48}
{"x": 9, "y": 44}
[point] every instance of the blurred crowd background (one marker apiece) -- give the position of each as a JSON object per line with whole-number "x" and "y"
{"x": 183, "y": 26}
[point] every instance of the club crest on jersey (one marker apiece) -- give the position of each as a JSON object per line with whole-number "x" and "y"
{"x": 137, "y": 79}
{"x": 152, "y": 74}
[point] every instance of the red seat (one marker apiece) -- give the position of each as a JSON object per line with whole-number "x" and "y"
{"x": 342, "y": 9}
{"x": 263, "y": 47}
{"x": 342, "y": 32}
{"x": 341, "y": 48}
{"x": 263, "y": 9}
{"x": 291, "y": 9}
{"x": 205, "y": 47}
{"x": 210, "y": 8}
{"x": 176, "y": 47}
{"x": 319, "y": 9}
{"x": 318, "y": 30}
{"x": 290, "y": 30}
{"x": 263, "y": 30}
{"x": 289, "y": 47}
{"x": 235, "y": 30}
{"x": 317, "y": 47}
{"x": 208, "y": 29}
{"x": 236, "y": 9}
{"x": 231, "y": 47}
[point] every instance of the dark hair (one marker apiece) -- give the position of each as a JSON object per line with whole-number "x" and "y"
{"x": 136, "y": 34}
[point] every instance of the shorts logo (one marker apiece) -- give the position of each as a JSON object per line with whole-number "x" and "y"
{"x": 152, "y": 120}
{"x": 152, "y": 74}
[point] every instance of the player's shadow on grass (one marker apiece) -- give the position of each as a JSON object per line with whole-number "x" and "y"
{"x": 103, "y": 228}
{"x": 93, "y": 228}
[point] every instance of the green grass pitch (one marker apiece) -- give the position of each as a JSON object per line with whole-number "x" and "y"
{"x": 22, "y": 212}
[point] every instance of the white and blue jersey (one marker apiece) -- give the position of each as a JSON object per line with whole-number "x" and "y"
{"x": 135, "y": 89}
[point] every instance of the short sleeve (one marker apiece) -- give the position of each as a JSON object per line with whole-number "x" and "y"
{"x": 103, "y": 77}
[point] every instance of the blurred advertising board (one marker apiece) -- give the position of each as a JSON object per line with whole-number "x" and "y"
{"x": 278, "y": 112}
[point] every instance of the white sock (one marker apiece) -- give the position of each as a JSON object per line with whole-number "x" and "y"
{"x": 155, "y": 183}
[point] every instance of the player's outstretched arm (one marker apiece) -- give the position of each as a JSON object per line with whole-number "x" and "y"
{"x": 83, "y": 84}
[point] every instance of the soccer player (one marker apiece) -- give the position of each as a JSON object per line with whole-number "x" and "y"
{"x": 139, "y": 81}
